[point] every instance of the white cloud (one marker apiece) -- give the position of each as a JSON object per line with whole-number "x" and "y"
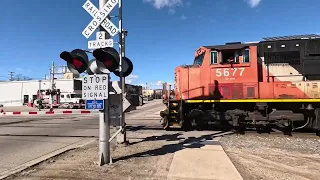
{"x": 171, "y": 11}
{"x": 164, "y": 3}
{"x": 253, "y": 3}
{"x": 183, "y": 17}
{"x": 159, "y": 83}
{"x": 131, "y": 78}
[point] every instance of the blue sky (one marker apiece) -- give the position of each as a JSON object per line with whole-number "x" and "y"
{"x": 162, "y": 34}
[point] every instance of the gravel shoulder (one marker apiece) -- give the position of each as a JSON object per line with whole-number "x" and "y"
{"x": 269, "y": 157}
{"x": 146, "y": 158}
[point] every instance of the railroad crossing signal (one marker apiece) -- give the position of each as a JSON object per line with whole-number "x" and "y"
{"x": 77, "y": 60}
{"x": 127, "y": 67}
{"x": 106, "y": 60}
{"x": 100, "y": 18}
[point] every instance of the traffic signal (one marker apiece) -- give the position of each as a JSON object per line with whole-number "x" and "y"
{"x": 48, "y": 92}
{"x": 77, "y": 60}
{"x": 127, "y": 67}
{"x": 107, "y": 58}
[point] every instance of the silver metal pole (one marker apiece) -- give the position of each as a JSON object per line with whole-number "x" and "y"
{"x": 52, "y": 83}
{"x": 121, "y": 138}
{"x": 38, "y": 96}
{"x": 104, "y": 124}
{"x": 104, "y": 133}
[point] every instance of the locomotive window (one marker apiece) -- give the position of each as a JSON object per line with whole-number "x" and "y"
{"x": 62, "y": 96}
{"x": 229, "y": 55}
{"x": 236, "y": 56}
{"x": 199, "y": 59}
{"x": 214, "y": 57}
{"x": 246, "y": 56}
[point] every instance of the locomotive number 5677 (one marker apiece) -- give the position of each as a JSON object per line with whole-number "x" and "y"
{"x": 229, "y": 72}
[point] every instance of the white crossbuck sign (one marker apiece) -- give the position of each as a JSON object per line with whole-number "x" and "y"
{"x": 100, "y": 17}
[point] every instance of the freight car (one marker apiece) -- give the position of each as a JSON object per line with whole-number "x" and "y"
{"x": 271, "y": 83}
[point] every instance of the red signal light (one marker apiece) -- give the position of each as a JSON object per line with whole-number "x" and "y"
{"x": 77, "y": 60}
{"x": 77, "y": 63}
{"x": 107, "y": 63}
{"x": 109, "y": 58}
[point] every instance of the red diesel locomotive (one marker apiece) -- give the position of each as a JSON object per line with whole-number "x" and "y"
{"x": 271, "y": 83}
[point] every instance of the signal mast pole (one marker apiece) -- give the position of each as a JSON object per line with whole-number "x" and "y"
{"x": 121, "y": 138}
{"x": 104, "y": 120}
{"x": 52, "y": 83}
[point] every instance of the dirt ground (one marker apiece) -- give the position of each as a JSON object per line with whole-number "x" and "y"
{"x": 270, "y": 157}
{"x": 257, "y": 157}
{"x": 148, "y": 157}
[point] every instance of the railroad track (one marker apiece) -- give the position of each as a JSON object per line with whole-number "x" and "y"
{"x": 271, "y": 132}
{"x": 277, "y": 133}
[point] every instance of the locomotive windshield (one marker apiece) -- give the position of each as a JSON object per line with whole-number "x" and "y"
{"x": 199, "y": 59}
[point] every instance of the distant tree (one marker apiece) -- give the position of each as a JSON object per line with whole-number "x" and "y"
{"x": 20, "y": 77}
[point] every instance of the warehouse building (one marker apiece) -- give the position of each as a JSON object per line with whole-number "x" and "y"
{"x": 18, "y": 93}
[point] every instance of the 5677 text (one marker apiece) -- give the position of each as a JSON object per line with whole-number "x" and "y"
{"x": 227, "y": 72}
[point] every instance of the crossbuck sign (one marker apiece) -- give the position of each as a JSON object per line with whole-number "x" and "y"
{"x": 100, "y": 18}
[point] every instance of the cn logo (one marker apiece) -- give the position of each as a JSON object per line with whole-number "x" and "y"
{"x": 200, "y": 51}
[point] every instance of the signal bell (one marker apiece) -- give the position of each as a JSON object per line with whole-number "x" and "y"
{"x": 77, "y": 60}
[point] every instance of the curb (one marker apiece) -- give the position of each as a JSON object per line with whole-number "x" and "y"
{"x": 34, "y": 162}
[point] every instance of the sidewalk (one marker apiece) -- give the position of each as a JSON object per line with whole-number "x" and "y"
{"x": 151, "y": 155}
{"x": 203, "y": 160}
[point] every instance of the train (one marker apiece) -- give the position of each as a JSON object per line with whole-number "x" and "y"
{"x": 272, "y": 83}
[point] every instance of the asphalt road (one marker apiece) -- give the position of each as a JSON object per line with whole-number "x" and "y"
{"x": 23, "y": 139}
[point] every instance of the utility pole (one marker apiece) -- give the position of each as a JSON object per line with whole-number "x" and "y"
{"x": 52, "y": 82}
{"x": 11, "y": 76}
{"x": 104, "y": 120}
{"x": 122, "y": 137}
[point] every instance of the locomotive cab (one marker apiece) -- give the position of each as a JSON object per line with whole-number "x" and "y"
{"x": 233, "y": 67}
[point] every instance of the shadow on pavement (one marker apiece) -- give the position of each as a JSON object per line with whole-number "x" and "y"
{"x": 137, "y": 128}
{"x": 191, "y": 142}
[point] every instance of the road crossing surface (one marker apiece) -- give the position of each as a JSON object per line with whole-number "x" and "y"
{"x": 25, "y": 139}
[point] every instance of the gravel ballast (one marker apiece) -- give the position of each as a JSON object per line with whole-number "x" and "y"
{"x": 269, "y": 157}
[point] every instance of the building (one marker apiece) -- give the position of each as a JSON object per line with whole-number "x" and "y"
{"x": 17, "y": 93}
